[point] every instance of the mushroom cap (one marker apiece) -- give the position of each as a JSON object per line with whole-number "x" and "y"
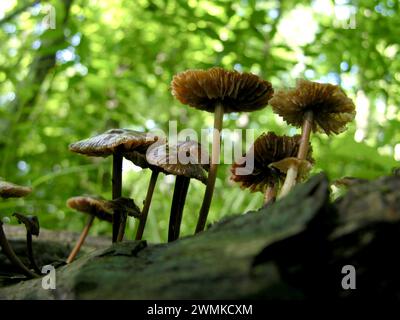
{"x": 101, "y": 208}
{"x": 179, "y": 159}
{"x": 304, "y": 166}
{"x": 11, "y": 190}
{"x": 331, "y": 108}
{"x": 267, "y": 149}
{"x": 237, "y": 92}
{"x": 31, "y": 223}
{"x": 197, "y": 153}
{"x": 106, "y": 143}
{"x": 127, "y": 205}
{"x": 191, "y": 148}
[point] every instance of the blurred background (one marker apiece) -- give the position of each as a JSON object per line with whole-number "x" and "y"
{"x": 70, "y": 69}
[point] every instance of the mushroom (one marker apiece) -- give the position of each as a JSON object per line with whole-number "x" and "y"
{"x": 10, "y": 254}
{"x": 219, "y": 91}
{"x": 182, "y": 160}
{"x": 115, "y": 142}
{"x": 313, "y": 107}
{"x": 32, "y": 228}
{"x": 11, "y": 190}
{"x": 99, "y": 208}
{"x": 268, "y": 157}
{"x": 157, "y": 152}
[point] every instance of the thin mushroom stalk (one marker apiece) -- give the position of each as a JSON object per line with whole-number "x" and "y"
{"x": 9, "y": 252}
{"x": 178, "y": 203}
{"x": 30, "y": 252}
{"x": 292, "y": 173}
{"x": 212, "y": 175}
{"x": 32, "y": 228}
{"x": 146, "y": 206}
{"x": 118, "y": 219}
{"x": 122, "y": 225}
{"x": 81, "y": 240}
{"x": 270, "y": 194}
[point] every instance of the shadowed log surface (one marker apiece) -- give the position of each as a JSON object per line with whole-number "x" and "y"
{"x": 293, "y": 249}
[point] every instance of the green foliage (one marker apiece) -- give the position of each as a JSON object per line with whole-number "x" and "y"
{"x": 109, "y": 64}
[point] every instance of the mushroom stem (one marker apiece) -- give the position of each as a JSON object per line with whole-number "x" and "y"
{"x": 29, "y": 248}
{"x": 305, "y": 135}
{"x": 9, "y": 252}
{"x": 81, "y": 240}
{"x": 270, "y": 194}
{"x": 146, "y": 206}
{"x": 116, "y": 193}
{"x": 122, "y": 225}
{"x": 178, "y": 203}
{"x": 212, "y": 175}
{"x": 291, "y": 175}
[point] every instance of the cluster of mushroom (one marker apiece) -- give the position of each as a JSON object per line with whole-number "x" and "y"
{"x": 279, "y": 161}
{"x": 146, "y": 151}
{"x": 11, "y": 190}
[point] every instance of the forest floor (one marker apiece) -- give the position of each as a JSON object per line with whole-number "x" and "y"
{"x": 296, "y": 248}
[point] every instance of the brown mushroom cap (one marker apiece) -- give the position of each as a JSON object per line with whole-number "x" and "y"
{"x": 127, "y": 205}
{"x": 304, "y": 166}
{"x": 106, "y": 143}
{"x": 178, "y": 160}
{"x": 267, "y": 149}
{"x": 198, "y": 155}
{"x": 11, "y": 190}
{"x": 331, "y": 108}
{"x": 102, "y": 208}
{"x": 237, "y": 92}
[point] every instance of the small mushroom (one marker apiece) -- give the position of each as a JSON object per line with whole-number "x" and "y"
{"x": 115, "y": 142}
{"x": 313, "y": 107}
{"x": 182, "y": 160}
{"x": 99, "y": 208}
{"x": 219, "y": 91}
{"x": 32, "y": 228}
{"x": 11, "y": 190}
{"x": 269, "y": 154}
{"x": 10, "y": 254}
{"x": 157, "y": 154}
